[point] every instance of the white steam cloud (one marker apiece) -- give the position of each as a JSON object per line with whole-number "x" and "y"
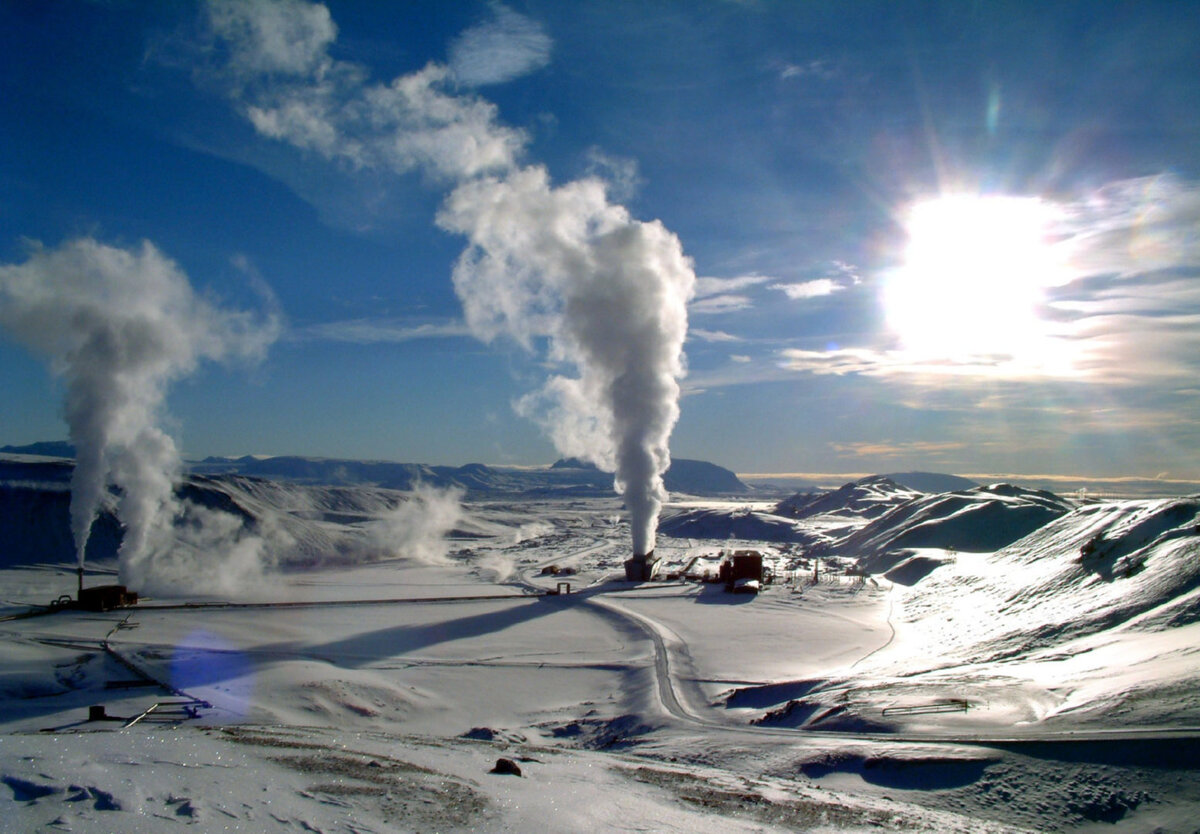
{"x": 119, "y": 326}
{"x": 496, "y": 567}
{"x": 609, "y": 292}
{"x": 561, "y": 263}
{"x": 416, "y": 528}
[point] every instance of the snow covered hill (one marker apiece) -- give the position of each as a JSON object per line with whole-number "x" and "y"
{"x": 740, "y": 523}
{"x": 977, "y": 520}
{"x": 1132, "y": 565}
{"x": 880, "y": 523}
{"x": 1090, "y": 621}
{"x": 863, "y": 499}
{"x": 699, "y": 477}
{"x": 931, "y": 481}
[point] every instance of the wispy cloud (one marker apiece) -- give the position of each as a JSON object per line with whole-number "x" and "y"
{"x": 883, "y": 363}
{"x": 740, "y": 369}
{"x": 381, "y": 330}
{"x": 916, "y": 449}
{"x": 505, "y": 47}
{"x": 1133, "y": 227}
{"x": 620, "y": 172}
{"x": 725, "y": 295}
{"x": 818, "y": 68}
{"x": 840, "y": 276}
{"x": 808, "y": 289}
{"x": 712, "y": 335}
{"x": 1131, "y": 309}
{"x": 709, "y": 286}
{"x": 720, "y": 304}
{"x": 289, "y": 37}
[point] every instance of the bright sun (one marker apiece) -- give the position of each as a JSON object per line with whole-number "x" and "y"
{"x": 975, "y": 273}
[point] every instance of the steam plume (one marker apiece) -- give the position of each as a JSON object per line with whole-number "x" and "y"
{"x": 416, "y": 528}
{"x": 609, "y": 292}
{"x": 562, "y": 264}
{"x": 118, "y": 326}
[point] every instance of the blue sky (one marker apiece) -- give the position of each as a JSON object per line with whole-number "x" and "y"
{"x": 949, "y": 236}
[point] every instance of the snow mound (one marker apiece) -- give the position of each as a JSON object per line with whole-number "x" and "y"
{"x": 915, "y": 568}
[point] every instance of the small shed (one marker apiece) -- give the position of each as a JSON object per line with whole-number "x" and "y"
{"x": 742, "y": 564}
{"x": 106, "y": 598}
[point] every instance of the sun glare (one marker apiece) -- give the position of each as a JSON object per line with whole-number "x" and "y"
{"x": 975, "y": 273}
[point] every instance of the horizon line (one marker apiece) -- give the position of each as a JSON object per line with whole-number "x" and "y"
{"x": 989, "y": 477}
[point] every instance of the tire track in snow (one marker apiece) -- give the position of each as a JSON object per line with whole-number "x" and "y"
{"x": 678, "y": 708}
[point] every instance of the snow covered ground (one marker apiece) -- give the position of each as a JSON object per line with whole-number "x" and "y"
{"x": 379, "y": 696}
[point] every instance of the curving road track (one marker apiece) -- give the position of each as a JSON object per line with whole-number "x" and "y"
{"x": 679, "y": 708}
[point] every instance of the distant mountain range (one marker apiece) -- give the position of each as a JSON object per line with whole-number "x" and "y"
{"x": 46, "y": 448}
{"x": 931, "y": 481}
{"x": 564, "y": 477}
{"x": 568, "y": 476}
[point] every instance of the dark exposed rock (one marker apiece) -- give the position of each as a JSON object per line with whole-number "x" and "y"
{"x": 506, "y": 767}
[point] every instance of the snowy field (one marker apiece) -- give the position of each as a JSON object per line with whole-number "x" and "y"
{"x": 379, "y": 697}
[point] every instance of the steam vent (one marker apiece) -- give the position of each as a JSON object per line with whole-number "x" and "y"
{"x": 641, "y": 568}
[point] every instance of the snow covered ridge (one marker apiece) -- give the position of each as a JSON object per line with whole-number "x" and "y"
{"x": 978, "y": 520}
{"x": 1132, "y": 565}
{"x": 742, "y": 523}
{"x": 866, "y": 498}
{"x": 1089, "y": 622}
{"x": 879, "y": 522}
{"x": 814, "y": 520}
